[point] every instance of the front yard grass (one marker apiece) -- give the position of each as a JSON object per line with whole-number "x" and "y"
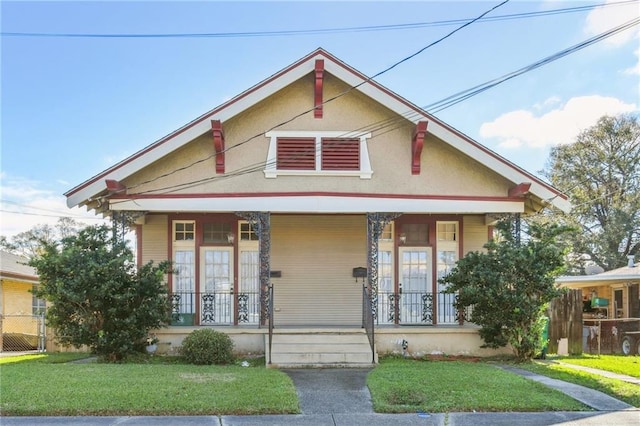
{"x": 33, "y": 388}
{"x": 403, "y": 386}
{"x": 627, "y": 392}
{"x": 621, "y": 364}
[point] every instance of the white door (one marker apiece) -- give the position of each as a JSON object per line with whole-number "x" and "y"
{"x": 416, "y": 299}
{"x": 216, "y": 285}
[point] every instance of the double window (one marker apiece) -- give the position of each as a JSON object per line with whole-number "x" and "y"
{"x": 318, "y": 153}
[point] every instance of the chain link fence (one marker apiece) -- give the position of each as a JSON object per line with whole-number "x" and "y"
{"x": 19, "y": 333}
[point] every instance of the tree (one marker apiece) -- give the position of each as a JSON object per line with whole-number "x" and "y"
{"x": 510, "y": 285}
{"x": 28, "y": 243}
{"x": 98, "y": 296}
{"x": 600, "y": 172}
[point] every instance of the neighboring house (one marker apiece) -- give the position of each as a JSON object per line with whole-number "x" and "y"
{"x": 316, "y": 180}
{"x": 612, "y": 294}
{"x": 18, "y": 305}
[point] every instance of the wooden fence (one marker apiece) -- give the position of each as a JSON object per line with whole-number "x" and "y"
{"x": 565, "y": 321}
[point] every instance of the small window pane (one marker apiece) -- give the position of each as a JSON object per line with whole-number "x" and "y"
{"x": 216, "y": 232}
{"x": 185, "y": 231}
{"x": 416, "y": 233}
{"x": 247, "y": 233}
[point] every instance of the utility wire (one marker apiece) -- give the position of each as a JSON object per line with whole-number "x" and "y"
{"x": 289, "y": 33}
{"x": 392, "y": 124}
{"x": 333, "y": 98}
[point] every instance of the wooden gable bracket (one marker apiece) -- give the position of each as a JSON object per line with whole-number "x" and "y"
{"x": 218, "y": 143}
{"x": 416, "y": 146}
{"x": 319, "y": 74}
{"x": 114, "y": 186}
{"x": 520, "y": 190}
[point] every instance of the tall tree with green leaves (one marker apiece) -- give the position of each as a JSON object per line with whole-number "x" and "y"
{"x": 28, "y": 243}
{"x": 600, "y": 172}
{"x": 98, "y": 297}
{"x": 510, "y": 285}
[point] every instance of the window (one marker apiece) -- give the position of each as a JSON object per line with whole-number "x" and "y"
{"x": 38, "y": 306}
{"x": 247, "y": 233}
{"x": 387, "y": 232}
{"x": 184, "y": 231}
{"x": 447, "y": 256}
{"x": 416, "y": 233}
{"x": 216, "y": 232}
{"x": 332, "y": 153}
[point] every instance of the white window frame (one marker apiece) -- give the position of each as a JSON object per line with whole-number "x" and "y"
{"x": 446, "y": 311}
{"x": 272, "y": 172}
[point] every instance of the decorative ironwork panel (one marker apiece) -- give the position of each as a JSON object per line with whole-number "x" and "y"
{"x": 208, "y": 308}
{"x": 175, "y": 307}
{"x": 243, "y": 307}
{"x": 262, "y": 225}
{"x": 393, "y": 299}
{"x": 427, "y": 308}
{"x": 375, "y": 225}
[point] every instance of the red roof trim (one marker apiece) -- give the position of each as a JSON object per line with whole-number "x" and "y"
{"x": 520, "y": 190}
{"x": 218, "y": 143}
{"x": 416, "y": 146}
{"x": 319, "y": 69}
{"x": 319, "y": 194}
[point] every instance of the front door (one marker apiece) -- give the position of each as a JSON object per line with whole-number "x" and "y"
{"x": 216, "y": 288}
{"x": 416, "y": 298}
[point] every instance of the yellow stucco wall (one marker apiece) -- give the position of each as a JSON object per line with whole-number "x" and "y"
{"x": 444, "y": 170}
{"x": 16, "y": 297}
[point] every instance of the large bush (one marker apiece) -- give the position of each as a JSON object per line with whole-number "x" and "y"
{"x": 98, "y": 296}
{"x": 206, "y": 347}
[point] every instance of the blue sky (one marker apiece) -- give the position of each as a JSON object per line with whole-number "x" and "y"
{"x": 73, "y": 106}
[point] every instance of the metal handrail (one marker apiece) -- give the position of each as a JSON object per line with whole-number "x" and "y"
{"x": 367, "y": 321}
{"x": 270, "y": 313}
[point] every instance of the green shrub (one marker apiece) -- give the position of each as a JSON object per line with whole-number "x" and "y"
{"x": 206, "y": 347}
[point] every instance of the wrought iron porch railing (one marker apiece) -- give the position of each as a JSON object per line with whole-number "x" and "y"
{"x": 270, "y": 314}
{"x": 214, "y": 308}
{"x": 417, "y": 307}
{"x": 367, "y": 320}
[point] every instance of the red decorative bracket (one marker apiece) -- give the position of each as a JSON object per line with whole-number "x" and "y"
{"x": 317, "y": 112}
{"x": 520, "y": 190}
{"x": 416, "y": 146}
{"x": 114, "y": 186}
{"x": 218, "y": 143}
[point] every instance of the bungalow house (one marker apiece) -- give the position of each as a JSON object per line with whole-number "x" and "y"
{"x": 316, "y": 202}
{"x": 19, "y": 325}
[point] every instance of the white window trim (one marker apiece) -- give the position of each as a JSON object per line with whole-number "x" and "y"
{"x": 272, "y": 172}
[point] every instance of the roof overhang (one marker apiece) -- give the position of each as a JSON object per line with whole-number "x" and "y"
{"x": 350, "y": 203}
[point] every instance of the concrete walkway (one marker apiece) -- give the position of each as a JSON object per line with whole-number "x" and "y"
{"x": 623, "y": 377}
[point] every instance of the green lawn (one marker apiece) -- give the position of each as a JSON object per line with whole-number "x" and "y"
{"x": 41, "y": 388}
{"x": 629, "y": 365}
{"x": 44, "y": 384}
{"x": 402, "y": 386}
{"x": 627, "y": 392}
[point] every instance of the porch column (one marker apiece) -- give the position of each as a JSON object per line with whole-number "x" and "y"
{"x": 261, "y": 223}
{"x": 375, "y": 225}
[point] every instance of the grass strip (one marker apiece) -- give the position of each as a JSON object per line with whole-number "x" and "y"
{"x": 629, "y": 365}
{"x": 143, "y": 389}
{"x": 627, "y": 392}
{"x": 402, "y": 386}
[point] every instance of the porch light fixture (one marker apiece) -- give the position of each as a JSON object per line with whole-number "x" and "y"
{"x": 231, "y": 237}
{"x": 403, "y": 238}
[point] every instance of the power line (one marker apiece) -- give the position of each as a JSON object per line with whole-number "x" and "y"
{"x": 60, "y": 216}
{"x": 330, "y": 99}
{"x": 392, "y": 124}
{"x": 289, "y": 33}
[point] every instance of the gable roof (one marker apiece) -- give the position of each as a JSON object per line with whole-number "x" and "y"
{"x": 15, "y": 267}
{"x": 624, "y": 274}
{"x": 96, "y": 186}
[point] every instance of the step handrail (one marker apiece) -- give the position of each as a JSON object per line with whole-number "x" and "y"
{"x": 367, "y": 321}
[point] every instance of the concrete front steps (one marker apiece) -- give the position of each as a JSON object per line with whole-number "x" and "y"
{"x": 318, "y": 348}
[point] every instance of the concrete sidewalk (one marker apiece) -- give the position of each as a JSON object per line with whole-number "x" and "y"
{"x": 623, "y": 377}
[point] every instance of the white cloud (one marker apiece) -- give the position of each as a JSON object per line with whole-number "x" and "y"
{"x": 635, "y": 69}
{"x": 553, "y": 100}
{"x": 558, "y": 126}
{"x": 604, "y": 18}
{"x": 24, "y": 204}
